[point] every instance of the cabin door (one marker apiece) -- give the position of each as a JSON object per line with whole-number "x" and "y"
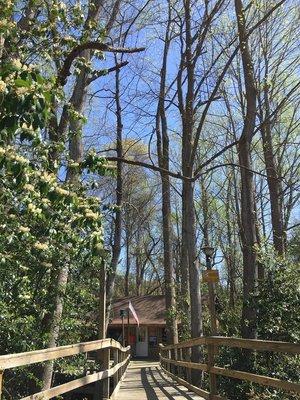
{"x": 142, "y": 341}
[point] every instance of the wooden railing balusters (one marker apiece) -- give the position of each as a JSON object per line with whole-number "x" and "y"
{"x": 175, "y": 369}
{"x": 116, "y": 361}
{"x": 212, "y": 376}
{"x": 100, "y": 379}
{"x": 172, "y": 357}
{"x": 1, "y": 383}
{"x": 180, "y": 369}
{"x": 169, "y": 367}
{"x": 104, "y": 358}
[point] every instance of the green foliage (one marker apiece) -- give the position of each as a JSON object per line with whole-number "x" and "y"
{"x": 44, "y": 225}
{"x": 25, "y": 98}
{"x": 278, "y": 304}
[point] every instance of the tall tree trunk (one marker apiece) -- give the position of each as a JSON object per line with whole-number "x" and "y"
{"x": 272, "y": 179}
{"x": 77, "y": 102}
{"x": 189, "y": 264}
{"x": 189, "y": 220}
{"x": 138, "y": 280}
{"x": 127, "y": 272}
{"x": 248, "y": 326}
{"x": 55, "y": 322}
{"x": 260, "y": 266}
{"x": 231, "y": 246}
{"x": 75, "y": 151}
{"x": 116, "y": 248}
{"x": 170, "y": 293}
{"x": 163, "y": 159}
{"x": 248, "y": 242}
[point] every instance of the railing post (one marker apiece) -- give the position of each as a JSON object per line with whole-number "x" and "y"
{"x": 166, "y": 355}
{"x": 102, "y": 387}
{"x": 105, "y": 382}
{"x": 188, "y": 352}
{"x": 161, "y": 354}
{"x": 1, "y": 383}
{"x": 169, "y": 356}
{"x": 121, "y": 359}
{"x": 181, "y": 369}
{"x": 212, "y": 376}
{"x": 175, "y": 367}
{"x": 116, "y": 362}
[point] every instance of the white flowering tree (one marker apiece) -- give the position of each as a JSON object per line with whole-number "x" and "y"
{"x": 47, "y": 227}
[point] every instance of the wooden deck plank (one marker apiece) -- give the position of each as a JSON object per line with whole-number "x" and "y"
{"x": 144, "y": 380}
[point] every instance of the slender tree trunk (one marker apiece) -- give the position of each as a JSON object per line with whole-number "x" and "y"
{"x": 78, "y": 97}
{"x": 77, "y": 102}
{"x": 55, "y": 322}
{"x": 76, "y": 153}
{"x": 204, "y": 206}
{"x": 189, "y": 241}
{"x": 137, "y": 274}
{"x": 116, "y": 248}
{"x": 163, "y": 159}
{"x": 248, "y": 242}
{"x": 189, "y": 254}
{"x": 189, "y": 220}
{"x": 231, "y": 245}
{"x": 127, "y": 272}
{"x": 260, "y": 266}
{"x": 248, "y": 219}
{"x": 172, "y": 329}
{"x": 272, "y": 179}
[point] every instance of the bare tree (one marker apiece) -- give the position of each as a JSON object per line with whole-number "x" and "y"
{"x": 163, "y": 151}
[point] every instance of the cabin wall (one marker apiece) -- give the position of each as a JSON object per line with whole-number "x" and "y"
{"x": 156, "y": 335}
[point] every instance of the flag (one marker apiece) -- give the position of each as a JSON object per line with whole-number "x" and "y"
{"x": 130, "y": 306}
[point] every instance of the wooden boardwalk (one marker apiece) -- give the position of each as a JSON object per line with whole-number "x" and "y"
{"x": 145, "y": 380}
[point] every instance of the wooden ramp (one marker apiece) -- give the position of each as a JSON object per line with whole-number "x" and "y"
{"x": 145, "y": 380}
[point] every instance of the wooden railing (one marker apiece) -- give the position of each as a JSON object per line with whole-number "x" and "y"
{"x": 104, "y": 350}
{"x": 174, "y": 361}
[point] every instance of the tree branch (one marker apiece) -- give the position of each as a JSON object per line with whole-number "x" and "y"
{"x": 216, "y": 155}
{"x": 65, "y": 70}
{"x": 236, "y": 166}
{"x": 155, "y": 168}
{"x": 222, "y": 75}
{"x": 102, "y": 72}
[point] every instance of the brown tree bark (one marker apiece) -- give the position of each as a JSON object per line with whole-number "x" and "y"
{"x": 272, "y": 176}
{"x": 54, "y": 330}
{"x": 116, "y": 247}
{"x": 163, "y": 160}
{"x": 248, "y": 326}
{"x": 231, "y": 249}
{"x": 127, "y": 271}
{"x": 75, "y": 153}
{"x": 189, "y": 255}
{"x": 79, "y": 93}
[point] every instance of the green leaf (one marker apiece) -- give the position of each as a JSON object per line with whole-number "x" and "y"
{"x": 22, "y": 83}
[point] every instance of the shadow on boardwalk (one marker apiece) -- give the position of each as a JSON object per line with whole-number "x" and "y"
{"x": 145, "y": 381}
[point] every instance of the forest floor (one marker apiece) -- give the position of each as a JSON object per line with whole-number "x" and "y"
{"x": 145, "y": 380}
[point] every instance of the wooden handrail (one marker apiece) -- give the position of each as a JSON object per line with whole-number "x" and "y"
{"x": 77, "y": 383}
{"x": 121, "y": 361}
{"x": 213, "y": 342}
{"x": 36, "y": 356}
{"x": 253, "y": 344}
